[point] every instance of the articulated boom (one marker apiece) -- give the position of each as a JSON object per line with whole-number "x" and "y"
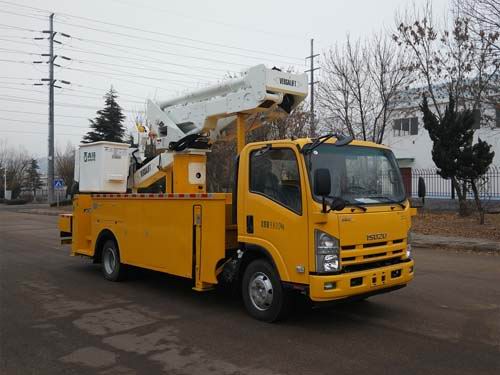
{"x": 210, "y": 111}
{"x": 258, "y": 90}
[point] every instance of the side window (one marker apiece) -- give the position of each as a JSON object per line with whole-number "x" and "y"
{"x": 274, "y": 173}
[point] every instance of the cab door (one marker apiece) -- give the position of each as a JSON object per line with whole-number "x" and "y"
{"x": 272, "y": 207}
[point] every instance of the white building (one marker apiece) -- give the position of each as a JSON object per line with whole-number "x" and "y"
{"x": 412, "y": 145}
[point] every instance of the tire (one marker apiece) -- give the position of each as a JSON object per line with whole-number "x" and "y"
{"x": 263, "y": 294}
{"x": 111, "y": 267}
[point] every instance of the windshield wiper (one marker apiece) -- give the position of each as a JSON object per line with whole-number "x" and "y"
{"x": 390, "y": 200}
{"x": 348, "y": 203}
{"x": 318, "y": 141}
{"x": 342, "y": 140}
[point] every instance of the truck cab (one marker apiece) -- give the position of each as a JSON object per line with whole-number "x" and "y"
{"x": 348, "y": 237}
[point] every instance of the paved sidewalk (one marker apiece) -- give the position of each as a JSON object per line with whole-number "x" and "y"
{"x": 36, "y": 209}
{"x": 474, "y": 244}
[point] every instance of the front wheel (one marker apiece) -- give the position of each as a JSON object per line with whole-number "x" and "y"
{"x": 263, "y": 294}
{"x": 112, "y": 269}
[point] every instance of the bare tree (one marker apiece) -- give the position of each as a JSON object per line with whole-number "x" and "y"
{"x": 451, "y": 61}
{"x": 271, "y": 126}
{"x": 448, "y": 59}
{"x": 483, "y": 14}
{"x": 360, "y": 83}
{"x": 65, "y": 165}
{"x": 16, "y": 161}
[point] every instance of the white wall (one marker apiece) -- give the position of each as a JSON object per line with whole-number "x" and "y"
{"x": 418, "y": 147}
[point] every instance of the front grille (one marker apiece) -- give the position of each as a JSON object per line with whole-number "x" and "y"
{"x": 370, "y": 265}
{"x": 374, "y": 244}
{"x": 374, "y": 255}
{"x": 353, "y": 254}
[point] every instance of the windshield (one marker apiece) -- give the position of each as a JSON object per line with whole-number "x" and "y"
{"x": 359, "y": 175}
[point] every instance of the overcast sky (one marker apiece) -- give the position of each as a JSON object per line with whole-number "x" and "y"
{"x": 156, "y": 49}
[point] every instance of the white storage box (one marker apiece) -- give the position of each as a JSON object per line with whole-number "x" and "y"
{"x": 103, "y": 167}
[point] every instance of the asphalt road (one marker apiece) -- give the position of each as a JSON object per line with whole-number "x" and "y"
{"x": 59, "y": 316}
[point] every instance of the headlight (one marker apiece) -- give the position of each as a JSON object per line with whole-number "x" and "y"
{"x": 327, "y": 252}
{"x": 408, "y": 244}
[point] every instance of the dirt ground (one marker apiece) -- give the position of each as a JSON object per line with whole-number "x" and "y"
{"x": 451, "y": 224}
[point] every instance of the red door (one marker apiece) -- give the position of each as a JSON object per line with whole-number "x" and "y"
{"x": 406, "y": 174}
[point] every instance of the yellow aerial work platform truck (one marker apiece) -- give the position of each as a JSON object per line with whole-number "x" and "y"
{"x": 326, "y": 217}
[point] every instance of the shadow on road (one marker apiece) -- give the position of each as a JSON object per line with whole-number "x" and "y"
{"x": 163, "y": 287}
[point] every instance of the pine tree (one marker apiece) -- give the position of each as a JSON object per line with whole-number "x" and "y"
{"x": 455, "y": 154}
{"x": 32, "y": 178}
{"x": 108, "y": 124}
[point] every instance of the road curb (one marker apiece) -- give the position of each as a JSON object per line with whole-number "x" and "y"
{"x": 42, "y": 212}
{"x": 456, "y": 243}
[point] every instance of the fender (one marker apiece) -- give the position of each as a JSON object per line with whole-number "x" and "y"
{"x": 103, "y": 234}
{"x": 272, "y": 253}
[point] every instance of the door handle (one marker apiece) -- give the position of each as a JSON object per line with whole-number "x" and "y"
{"x": 249, "y": 223}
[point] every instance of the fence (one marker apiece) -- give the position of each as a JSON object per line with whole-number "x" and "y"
{"x": 438, "y": 187}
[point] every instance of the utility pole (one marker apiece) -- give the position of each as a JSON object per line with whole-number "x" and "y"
{"x": 5, "y": 183}
{"x": 51, "y": 111}
{"x": 52, "y": 84}
{"x": 312, "y": 130}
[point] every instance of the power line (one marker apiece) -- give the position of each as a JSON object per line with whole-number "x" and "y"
{"x": 128, "y": 27}
{"x": 108, "y": 75}
{"x": 31, "y": 132}
{"x": 91, "y": 52}
{"x": 142, "y": 39}
{"x": 19, "y": 51}
{"x": 23, "y": 15}
{"x": 179, "y": 45}
{"x": 95, "y": 96}
{"x": 121, "y": 73}
{"x": 120, "y": 94}
{"x": 42, "y": 123}
{"x": 38, "y": 113}
{"x": 9, "y": 98}
{"x": 226, "y": 24}
{"x": 22, "y": 78}
{"x": 3, "y": 26}
{"x": 141, "y": 68}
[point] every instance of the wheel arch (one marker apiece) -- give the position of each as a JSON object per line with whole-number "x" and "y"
{"x": 104, "y": 235}
{"x": 253, "y": 252}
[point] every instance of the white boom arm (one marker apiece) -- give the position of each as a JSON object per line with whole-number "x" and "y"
{"x": 212, "y": 109}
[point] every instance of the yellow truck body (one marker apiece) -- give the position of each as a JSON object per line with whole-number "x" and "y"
{"x": 194, "y": 235}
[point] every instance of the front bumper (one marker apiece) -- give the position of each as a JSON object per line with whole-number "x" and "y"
{"x": 361, "y": 282}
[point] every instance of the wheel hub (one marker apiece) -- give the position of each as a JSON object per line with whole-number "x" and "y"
{"x": 109, "y": 261}
{"x": 261, "y": 291}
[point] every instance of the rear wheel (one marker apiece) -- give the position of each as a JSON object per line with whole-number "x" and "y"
{"x": 112, "y": 269}
{"x": 263, "y": 294}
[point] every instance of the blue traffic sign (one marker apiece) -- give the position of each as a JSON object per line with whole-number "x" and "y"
{"x": 58, "y": 183}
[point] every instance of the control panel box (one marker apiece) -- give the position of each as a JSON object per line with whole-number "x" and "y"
{"x": 102, "y": 167}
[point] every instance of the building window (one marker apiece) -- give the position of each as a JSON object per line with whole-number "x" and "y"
{"x": 397, "y": 127}
{"x": 477, "y": 119}
{"x": 414, "y": 126}
{"x": 405, "y": 126}
{"x": 498, "y": 114}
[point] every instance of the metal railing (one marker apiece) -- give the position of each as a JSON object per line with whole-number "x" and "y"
{"x": 438, "y": 187}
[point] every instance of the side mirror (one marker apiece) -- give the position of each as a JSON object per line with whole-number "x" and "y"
{"x": 322, "y": 185}
{"x": 421, "y": 188}
{"x": 322, "y": 182}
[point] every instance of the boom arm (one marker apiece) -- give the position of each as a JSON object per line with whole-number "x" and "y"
{"x": 212, "y": 109}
